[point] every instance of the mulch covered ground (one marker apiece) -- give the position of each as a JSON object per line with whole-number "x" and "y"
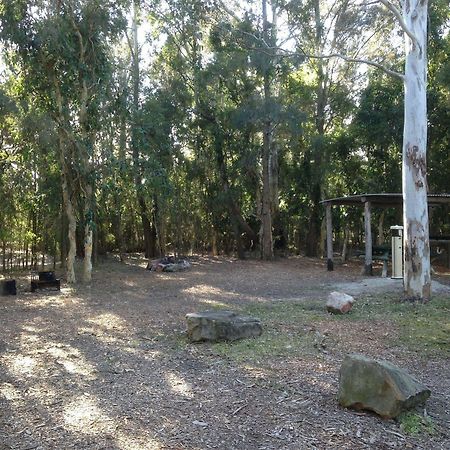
{"x": 108, "y": 366}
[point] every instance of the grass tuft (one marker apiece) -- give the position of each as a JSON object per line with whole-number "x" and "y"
{"x": 414, "y": 424}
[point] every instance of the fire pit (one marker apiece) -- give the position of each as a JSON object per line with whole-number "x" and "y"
{"x": 8, "y": 287}
{"x": 44, "y": 280}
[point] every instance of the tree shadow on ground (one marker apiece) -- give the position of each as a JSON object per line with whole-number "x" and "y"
{"x": 109, "y": 367}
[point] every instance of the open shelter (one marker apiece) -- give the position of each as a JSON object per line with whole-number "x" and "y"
{"x": 368, "y": 201}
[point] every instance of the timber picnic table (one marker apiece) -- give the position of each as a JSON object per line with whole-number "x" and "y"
{"x": 381, "y": 253}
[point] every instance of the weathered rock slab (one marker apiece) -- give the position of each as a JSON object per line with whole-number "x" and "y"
{"x": 339, "y": 303}
{"x": 378, "y": 386}
{"x": 221, "y": 326}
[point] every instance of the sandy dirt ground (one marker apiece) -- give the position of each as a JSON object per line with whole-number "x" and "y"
{"x": 107, "y": 366}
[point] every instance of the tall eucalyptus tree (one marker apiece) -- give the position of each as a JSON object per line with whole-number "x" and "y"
{"x": 62, "y": 50}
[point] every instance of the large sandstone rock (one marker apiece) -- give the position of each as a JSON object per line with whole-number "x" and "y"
{"x": 339, "y": 303}
{"x": 220, "y": 326}
{"x": 378, "y": 386}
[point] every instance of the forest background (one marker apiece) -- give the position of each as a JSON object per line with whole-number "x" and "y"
{"x": 197, "y": 126}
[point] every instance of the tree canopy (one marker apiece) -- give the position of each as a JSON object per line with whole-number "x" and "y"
{"x": 181, "y": 125}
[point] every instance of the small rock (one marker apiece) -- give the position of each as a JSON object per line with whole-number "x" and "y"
{"x": 200, "y": 423}
{"x": 339, "y": 303}
{"x": 378, "y": 386}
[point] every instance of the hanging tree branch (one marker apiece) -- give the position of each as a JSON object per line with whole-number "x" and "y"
{"x": 286, "y": 53}
{"x": 398, "y": 15}
{"x": 368, "y": 62}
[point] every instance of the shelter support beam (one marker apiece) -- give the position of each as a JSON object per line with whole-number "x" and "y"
{"x": 330, "y": 265}
{"x": 368, "y": 239}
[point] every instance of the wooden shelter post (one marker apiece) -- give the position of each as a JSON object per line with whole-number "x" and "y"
{"x": 330, "y": 265}
{"x": 368, "y": 238}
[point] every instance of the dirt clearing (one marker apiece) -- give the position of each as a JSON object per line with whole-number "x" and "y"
{"x": 108, "y": 366}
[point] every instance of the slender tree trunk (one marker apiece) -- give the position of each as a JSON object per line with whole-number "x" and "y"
{"x": 313, "y": 234}
{"x": 135, "y": 75}
{"x": 345, "y": 244}
{"x": 158, "y": 227}
{"x": 237, "y": 221}
{"x": 117, "y": 227}
{"x": 72, "y": 227}
{"x": 120, "y": 241}
{"x": 86, "y": 180}
{"x": 417, "y": 269}
{"x": 63, "y": 241}
{"x": 65, "y": 182}
{"x": 34, "y": 245}
{"x": 4, "y": 255}
{"x": 27, "y": 250}
{"x": 67, "y": 202}
{"x": 278, "y": 232}
{"x": 214, "y": 249}
{"x": 266, "y": 206}
{"x": 380, "y": 235}
{"x": 88, "y": 235}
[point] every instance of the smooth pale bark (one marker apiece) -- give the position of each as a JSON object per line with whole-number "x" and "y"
{"x": 330, "y": 265}
{"x": 367, "y": 239}
{"x": 417, "y": 270}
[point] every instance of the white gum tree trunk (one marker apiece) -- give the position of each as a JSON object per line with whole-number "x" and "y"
{"x": 417, "y": 278}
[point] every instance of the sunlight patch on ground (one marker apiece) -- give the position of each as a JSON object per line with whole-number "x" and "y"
{"x": 61, "y": 298}
{"x": 109, "y": 321}
{"x": 152, "y": 354}
{"x": 256, "y": 372}
{"x": 21, "y": 365}
{"x": 126, "y": 442}
{"x": 205, "y": 289}
{"x": 214, "y": 303}
{"x": 178, "y": 385}
{"x": 71, "y": 359}
{"x": 30, "y": 329}
{"x": 28, "y": 339}
{"x": 10, "y": 392}
{"x": 43, "y": 392}
{"x": 82, "y": 414}
{"x": 101, "y": 335}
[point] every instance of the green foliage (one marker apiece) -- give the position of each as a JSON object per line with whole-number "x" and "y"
{"x": 198, "y": 118}
{"x": 289, "y": 327}
{"x": 414, "y": 424}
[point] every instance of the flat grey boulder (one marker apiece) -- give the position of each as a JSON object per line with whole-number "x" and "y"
{"x": 221, "y": 326}
{"x": 339, "y": 303}
{"x": 378, "y": 386}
